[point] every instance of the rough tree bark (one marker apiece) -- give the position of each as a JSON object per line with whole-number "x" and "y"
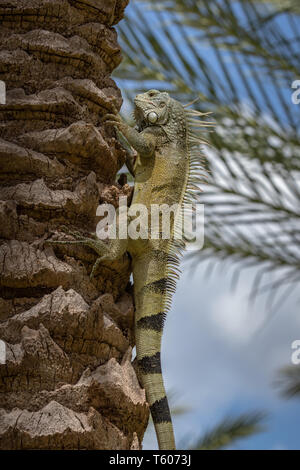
{"x": 68, "y": 382}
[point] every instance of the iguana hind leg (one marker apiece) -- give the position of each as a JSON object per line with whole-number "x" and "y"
{"x": 107, "y": 251}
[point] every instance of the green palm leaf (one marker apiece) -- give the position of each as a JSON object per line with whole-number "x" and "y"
{"x": 229, "y": 430}
{"x": 238, "y": 58}
{"x": 288, "y": 381}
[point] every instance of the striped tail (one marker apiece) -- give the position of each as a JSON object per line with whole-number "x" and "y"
{"x": 151, "y": 286}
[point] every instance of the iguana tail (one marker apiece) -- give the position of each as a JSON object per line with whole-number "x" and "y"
{"x": 151, "y": 285}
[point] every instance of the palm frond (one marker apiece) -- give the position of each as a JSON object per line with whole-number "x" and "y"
{"x": 229, "y": 430}
{"x": 288, "y": 381}
{"x": 240, "y": 58}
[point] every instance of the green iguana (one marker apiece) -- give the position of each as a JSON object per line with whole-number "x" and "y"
{"x": 168, "y": 166}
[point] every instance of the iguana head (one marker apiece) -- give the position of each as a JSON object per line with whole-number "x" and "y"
{"x": 152, "y": 108}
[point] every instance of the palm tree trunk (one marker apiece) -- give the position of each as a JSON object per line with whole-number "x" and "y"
{"x": 66, "y": 381}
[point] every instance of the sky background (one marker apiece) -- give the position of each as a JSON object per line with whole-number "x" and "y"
{"x": 220, "y": 354}
{"x": 220, "y": 357}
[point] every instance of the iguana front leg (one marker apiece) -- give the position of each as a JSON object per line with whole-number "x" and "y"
{"x": 144, "y": 144}
{"x": 130, "y": 154}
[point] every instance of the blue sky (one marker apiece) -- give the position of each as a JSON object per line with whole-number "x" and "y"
{"x": 220, "y": 355}
{"x": 220, "y": 362}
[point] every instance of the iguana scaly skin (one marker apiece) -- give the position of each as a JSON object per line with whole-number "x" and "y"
{"x": 169, "y": 163}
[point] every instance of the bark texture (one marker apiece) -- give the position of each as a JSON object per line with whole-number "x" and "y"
{"x": 68, "y": 381}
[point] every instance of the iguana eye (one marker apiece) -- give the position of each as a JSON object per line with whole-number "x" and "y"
{"x": 162, "y": 104}
{"x": 152, "y": 93}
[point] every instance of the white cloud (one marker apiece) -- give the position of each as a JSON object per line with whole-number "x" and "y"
{"x": 233, "y": 317}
